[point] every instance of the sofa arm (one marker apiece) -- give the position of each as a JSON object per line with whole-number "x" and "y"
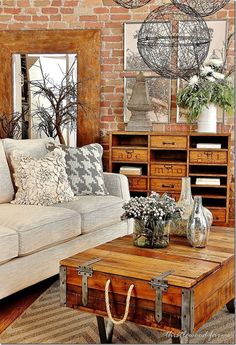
{"x": 117, "y": 185}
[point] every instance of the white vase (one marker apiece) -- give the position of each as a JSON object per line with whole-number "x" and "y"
{"x": 207, "y": 120}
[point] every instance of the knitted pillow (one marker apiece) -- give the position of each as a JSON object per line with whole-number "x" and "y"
{"x": 84, "y": 168}
{"x": 41, "y": 181}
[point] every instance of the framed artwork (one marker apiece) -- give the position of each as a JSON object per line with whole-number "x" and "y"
{"x": 160, "y": 95}
{"x": 132, "y": 59}
{"x": 219, "y": 34}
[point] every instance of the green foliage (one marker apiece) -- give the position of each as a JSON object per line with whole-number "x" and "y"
{"x": 195, "y": 97}
{"x": 211, "y": 85}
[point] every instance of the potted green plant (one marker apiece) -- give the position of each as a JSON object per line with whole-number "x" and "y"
{"x": 152, "y": 215}
{"x": 212, "y": 87}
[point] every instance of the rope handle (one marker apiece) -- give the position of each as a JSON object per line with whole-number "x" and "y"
{"x": 117, "y": 322}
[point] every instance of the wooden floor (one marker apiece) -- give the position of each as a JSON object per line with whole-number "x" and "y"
{"x": 13, "y": 306}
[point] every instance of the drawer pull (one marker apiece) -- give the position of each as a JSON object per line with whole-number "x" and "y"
{"x": 168, "y": 185}
{"x": 168, "y": 143}
{"x": 129, "y": 151}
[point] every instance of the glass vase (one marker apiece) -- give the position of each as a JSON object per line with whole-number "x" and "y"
{"x": 151, "y": 236}
{"x": 198, "y": 228}
{"x": 179, "y": 226}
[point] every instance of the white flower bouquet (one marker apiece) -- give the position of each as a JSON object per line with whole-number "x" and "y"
{"x": 152, "y": 216}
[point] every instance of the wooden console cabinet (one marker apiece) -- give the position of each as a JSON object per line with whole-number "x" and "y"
{"x": 166, "y": 158}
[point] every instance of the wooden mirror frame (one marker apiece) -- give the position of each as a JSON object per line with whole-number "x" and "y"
{"x": 84, "y": 43}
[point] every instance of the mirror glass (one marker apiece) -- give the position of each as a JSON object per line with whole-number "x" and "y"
{"x": 45, "y": 86}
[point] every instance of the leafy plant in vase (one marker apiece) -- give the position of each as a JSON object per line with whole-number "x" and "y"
{"x": 212, "y": 87}
{"x": 152, "y": 215}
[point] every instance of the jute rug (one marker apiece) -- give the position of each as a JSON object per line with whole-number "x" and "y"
{"x": 46, "y": 322}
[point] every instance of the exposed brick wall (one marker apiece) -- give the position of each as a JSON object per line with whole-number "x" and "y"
{"x": 109, "y": 17}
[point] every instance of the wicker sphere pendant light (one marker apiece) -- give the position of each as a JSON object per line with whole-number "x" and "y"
{"x": 132, "y": 3}
{"x": 203, "y": 7}
{"x": 173, "y": 43}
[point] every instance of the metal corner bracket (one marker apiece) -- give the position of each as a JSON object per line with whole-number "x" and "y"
{"x": 187, "y": 311}
{"x": 160, "y": 285}
{"x": 62, "y": 285}
{"x": 86, "y": 271}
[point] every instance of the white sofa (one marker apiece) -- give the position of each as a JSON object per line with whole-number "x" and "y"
{"x": 33, "y": 239}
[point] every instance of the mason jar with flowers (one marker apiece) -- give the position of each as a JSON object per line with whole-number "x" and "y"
{"x": 204, "y": 92}
{"x": 152, "y": 216}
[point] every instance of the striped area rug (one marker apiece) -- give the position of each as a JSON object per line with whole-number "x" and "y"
{"x": 45, "y": 322}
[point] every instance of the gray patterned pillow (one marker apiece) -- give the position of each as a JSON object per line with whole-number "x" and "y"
{"x": 41, "y": 181}
{"x": 84, "y": 168}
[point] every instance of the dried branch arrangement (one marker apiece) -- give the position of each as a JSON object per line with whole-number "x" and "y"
{"x": 63, "y": 101}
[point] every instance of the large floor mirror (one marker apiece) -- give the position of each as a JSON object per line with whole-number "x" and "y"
{"x": 48, "y": 71}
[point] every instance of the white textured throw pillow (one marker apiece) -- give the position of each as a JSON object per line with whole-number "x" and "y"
{"x": 41, "y": 181}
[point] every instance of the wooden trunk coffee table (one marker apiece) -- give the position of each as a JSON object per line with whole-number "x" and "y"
{"x": 176, "y": 289}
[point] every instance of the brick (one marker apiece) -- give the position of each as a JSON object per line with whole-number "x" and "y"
{"x": 10, "y": 3}
{"x": 41, "y": 3}
{"x": 68, "y": 10}
{"x": 120, "y": 17}
{"x": 23, "y": 3}
{"x": 40, "y": 18}
{"x": 112, "y": 38}
{"x": 12, "y": 10}
{"x": 119, "y": 9}
{"x": 106, "y": 68}
{"x": 49, "y": 10}
{"x": 56, "y": 3}
{"x": 56, "y": 17}
{"x": 37, "y": 25}
{"x": 88, "y": 18}
{"x": 100, "y": 10}
{"x": 22, "y": 18}
{"x": 5, "y": 18}
{"x": 71, "y": 3}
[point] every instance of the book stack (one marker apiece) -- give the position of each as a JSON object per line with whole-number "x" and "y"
{"x": 208, "y": 146}
{"x": 130, "y": 170}
{"x": 208, "y": 181}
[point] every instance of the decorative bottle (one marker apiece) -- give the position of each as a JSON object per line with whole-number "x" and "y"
{"x": 197, "y": 227}
{"x": 178, "y": 227}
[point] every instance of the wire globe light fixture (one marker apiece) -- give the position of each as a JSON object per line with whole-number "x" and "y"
{"x": 174, "y": 43}
{"x": 132, "y": 3}
{"x": 203, "y": 7}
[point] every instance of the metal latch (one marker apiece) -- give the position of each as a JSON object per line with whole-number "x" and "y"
{"x": 160, "y": 285}
{"x": 85, "y": 271}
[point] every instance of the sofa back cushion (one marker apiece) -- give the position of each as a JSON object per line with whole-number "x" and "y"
{"x": 6, "y": 186}
{"x": 36, "y": 148}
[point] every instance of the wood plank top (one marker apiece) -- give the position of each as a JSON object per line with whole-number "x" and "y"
{"x": 190, "y": 265}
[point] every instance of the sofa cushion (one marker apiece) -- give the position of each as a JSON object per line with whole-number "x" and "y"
{"x": 40, "y": 226}
{"x": 84, "y": 168}
{"x": 8, "y": 244}
{"x": 6, "y": 186}
{"x": 36, "y": 148}
{"x": 41, "y": 181}
{"x": 96, "y": 211}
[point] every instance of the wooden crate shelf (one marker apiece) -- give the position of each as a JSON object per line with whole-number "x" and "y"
{"x": 166, "y": 158}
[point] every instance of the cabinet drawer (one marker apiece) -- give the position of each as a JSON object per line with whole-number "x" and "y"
{"x": 168, "y": 170}
{"x": 217, "y": 157}
{"x": 218, "y": 215}
{"x": 137, "y": 183}
{"x": 129, "y": 155}
{"x": 162, "y": 185}
{"x": 167, "y": 141}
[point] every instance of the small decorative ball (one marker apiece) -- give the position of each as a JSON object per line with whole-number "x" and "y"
{"x": 132, "y": 3}
{"x": 173, "y": 43}
{"x": 203, "y": 7}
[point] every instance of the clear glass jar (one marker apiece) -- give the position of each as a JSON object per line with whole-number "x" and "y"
{"x": 198, "y": 228}
{"x": 179, "y": 226}
{"x": 155, "y": 236}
